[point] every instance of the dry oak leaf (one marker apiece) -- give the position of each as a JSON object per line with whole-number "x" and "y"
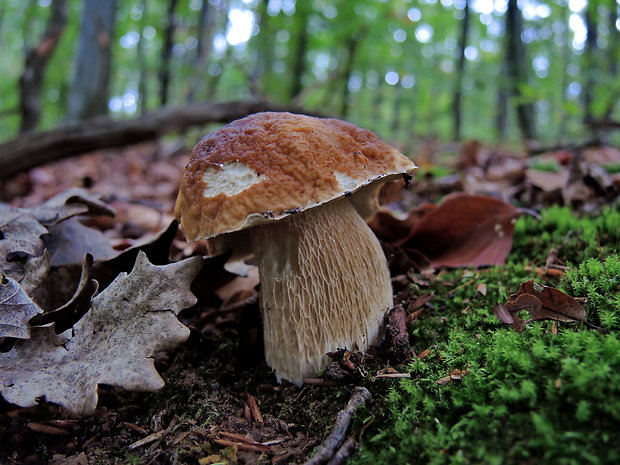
{"x": 114, "y": 343}
{"x": 22, "y": 254}
{"x": 542, "y": 303}
{"x": 67, "y": 204}
{"x": 16, "y": 309}
{"x": 465, "y": 230}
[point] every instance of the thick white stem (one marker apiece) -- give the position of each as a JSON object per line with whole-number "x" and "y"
{"x": 325, "y": 285}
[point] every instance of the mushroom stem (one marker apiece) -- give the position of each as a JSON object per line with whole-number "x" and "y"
{"x": 325, "y": 285}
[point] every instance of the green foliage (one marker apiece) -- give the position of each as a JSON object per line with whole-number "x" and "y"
{"x": 541, "y": 396}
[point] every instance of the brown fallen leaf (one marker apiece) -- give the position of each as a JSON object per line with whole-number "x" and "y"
{"x": 465, "y": 230}
{"x": 67, "y": 204}
{"x": 114, "y": 343}
{"x": 68, "y": 241}
{"x": 542, "y": 303}
{"x": 16, "y": 309}
{"x": 22, "y": 254}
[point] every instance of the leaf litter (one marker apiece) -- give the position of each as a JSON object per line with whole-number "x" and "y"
{"x": 235, "y": 369}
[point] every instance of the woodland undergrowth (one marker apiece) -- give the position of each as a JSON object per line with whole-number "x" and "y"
{"x": 550, "y": 394}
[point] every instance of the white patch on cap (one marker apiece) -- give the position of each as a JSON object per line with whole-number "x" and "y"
{"x": 346, "y": 182}
{"x": 229, "y": 180}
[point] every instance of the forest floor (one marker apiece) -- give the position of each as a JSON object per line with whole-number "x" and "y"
{"x": 475, "y": 390}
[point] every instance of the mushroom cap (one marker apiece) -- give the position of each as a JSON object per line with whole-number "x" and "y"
{"x": 270, "y": 165}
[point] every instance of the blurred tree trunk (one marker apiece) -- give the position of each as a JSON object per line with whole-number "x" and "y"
{"x": 567, "y": 51}
{"x": 517, "y": 69}
{"x": 142, "y": 89}
{"x": 460, "y": 74}
{"x": 302, "y": 15}
{"x": 501, "y": 116}
{"x": 31, "y": 80}
{"x": 206, "y": 26}
{"x": 264, "y": 51}
{"x": 613, "y": 55}
{"x": 91, "y": 75}
{"x": 591, "y": 61}
{"x": 352, "y": 46}
{"x": 397, "y": 111}
{"x": 166, "y": 54}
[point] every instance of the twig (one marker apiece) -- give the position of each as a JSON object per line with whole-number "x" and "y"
{"x": 256, "y": 415}
{"x": 327, "y": 450}
{"x": 242, "y": 446}
{"x": 345, "y": 451}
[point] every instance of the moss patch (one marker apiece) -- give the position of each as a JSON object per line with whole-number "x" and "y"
{"x": 548, "y": 395}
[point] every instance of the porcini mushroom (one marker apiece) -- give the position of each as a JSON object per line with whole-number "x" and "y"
{"x": 294, "y": 190}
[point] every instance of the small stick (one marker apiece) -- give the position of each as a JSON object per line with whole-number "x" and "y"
{"x": 46, "y": 429}
{"x": 242, "y": 446}
{"x": 328, "y": 448}
{"x": 251, "y": 400}
{"x": 147, "y": 440}
{"x": 345, "y": 451}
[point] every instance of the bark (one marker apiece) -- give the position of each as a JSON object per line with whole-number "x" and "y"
{"x": 397, "y": 111}
{"x": 31, "y": 80}
{"x": 91, "y": 76}
{"x": 299, "y": 64}
{"x": 206, "y": 26}
{"x": 261, "y": 73}
{"x": 166, "y": 54}
{"x": 142, "y": 89}
{"x": 36, "y": 148}
{"x": 460, "y": 73}
{"x": 517, "y": 69}
{"x": 352, "y": 47}
{"x": 591, "y": 61}
{"x": 501, "y": 117}
{"x": 613, "y": 54}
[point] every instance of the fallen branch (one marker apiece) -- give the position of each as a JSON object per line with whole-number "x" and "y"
{"x": 327, "y": 450}
{"x": 32, "y": 149}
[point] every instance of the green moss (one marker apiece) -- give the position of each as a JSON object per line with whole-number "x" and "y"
{"x": 548, "y": 395}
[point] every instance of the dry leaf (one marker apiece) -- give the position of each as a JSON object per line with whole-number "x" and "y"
{"x": 542, "y": 303}
{"x": 67, "y": 204}
{"x": 21, "y": 248}
{"x": 465, "y": 230}
{"x": 16, "y": 309}
{"x": 114, "y": 343}
{"x": 65, "y": 315}
{"x": 70, "y": 240}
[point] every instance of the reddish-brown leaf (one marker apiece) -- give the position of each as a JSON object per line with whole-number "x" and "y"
{"x": 542, "y": 303}
{"x": 465, "y": 230}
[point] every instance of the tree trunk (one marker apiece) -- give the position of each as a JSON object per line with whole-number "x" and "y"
{"x": 142, "y": 67}
{"x": 31, "y": 80}
{"x": 263, "y": 41}
{"x": 166, "y": 54}
{"x": 397, "y": 111}
{"x": 501, "y": 116}
{"x": 91, "y": 76}
{"x": 35, "y": 148}
{"x": 613, "y": 55}
{"x": 460, "y": 73}
{"x": 352, "y": 45}
{"x": 591, "y": 61}
{"x": 206, "y": 25}
{"x": 299, "y": 63}
{"x": 517, "y": 69}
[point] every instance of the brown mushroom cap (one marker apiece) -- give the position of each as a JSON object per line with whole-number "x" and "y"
{"x": 270, "y": 165}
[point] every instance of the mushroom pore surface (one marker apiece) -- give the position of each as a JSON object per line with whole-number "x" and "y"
{"x": 325, "y": 285}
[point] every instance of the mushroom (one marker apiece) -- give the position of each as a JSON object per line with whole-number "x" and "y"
{"x": 294, "y": 190}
